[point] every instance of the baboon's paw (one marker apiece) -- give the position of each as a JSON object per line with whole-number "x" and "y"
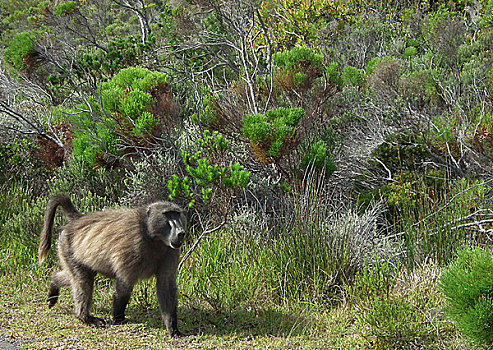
{"x": 52, "y": 301}
{"x": 95, "y": 321}
{"x": 176, "y": 334}
{"x": 121, "y": 320}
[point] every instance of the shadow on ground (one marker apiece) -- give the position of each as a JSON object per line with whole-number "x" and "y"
{"x": 243, "y": 323}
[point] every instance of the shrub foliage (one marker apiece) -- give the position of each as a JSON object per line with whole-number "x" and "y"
{"x": 468, "y": 285}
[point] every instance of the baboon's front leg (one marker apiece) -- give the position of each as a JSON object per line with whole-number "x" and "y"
{"x": 168, "y": 302}
{"x": 82, "y": 288}
{"x": 58, "y": 279}
{"x": 120, "y": 300}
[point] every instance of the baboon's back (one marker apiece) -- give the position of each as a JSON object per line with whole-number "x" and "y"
{"x": 106, "y": 241}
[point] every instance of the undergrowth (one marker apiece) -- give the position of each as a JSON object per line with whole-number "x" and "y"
{"x": 322, "y": 257}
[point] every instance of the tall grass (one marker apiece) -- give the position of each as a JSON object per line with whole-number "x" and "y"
{"x": 17, "y": 240}
{"x": 318, "y": 244}
{"x": 315, "y": 248}
{"x": 443, "y": 218}
{"x": 322, "y": 243}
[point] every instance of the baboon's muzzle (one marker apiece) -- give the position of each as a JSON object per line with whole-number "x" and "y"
{"x": 178, "y": 241}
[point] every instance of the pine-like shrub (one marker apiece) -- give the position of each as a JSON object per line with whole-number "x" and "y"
{"x": 318, "y": 154}
{"x": 19, "y": 49}
{"x": 352, "y": 76}
{"x": 272, "y": 131}
{"x": 128, "y": 99}
{"x": 208, "y": 178}
{"x": 298, "y": 56}
{"x": 468, "y": 286}
{"x": 65, "y": 8}
{"x": 297, "y": 68}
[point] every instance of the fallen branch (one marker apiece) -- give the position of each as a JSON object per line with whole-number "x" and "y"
{"x": 475, "y": 223}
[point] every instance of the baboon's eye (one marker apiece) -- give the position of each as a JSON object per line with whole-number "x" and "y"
{"x": 172, "y": 215}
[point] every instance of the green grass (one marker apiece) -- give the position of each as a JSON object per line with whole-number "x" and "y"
{"x": 326, "y": 282}
{"x": 24, "y": 316}
{"x": 408, "y": 316}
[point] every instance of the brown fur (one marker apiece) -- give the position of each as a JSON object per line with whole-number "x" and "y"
{"x": 125, "y": 244}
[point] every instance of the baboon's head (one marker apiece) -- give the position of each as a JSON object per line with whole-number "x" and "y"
{"x": 166, "y": 222}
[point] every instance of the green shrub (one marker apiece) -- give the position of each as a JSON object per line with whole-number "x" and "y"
{"x": 65, "y": 8}
{"x": 134, "y": 103}
{"x": 352, "y": 76}
{"x": 208, "y": 176}
{"x": 273, "y": 130}
{"x": 377, "y": 61}
{"x": 128, "y": 100}
{"x": 468, "y": 286}
{"x": 298, "y": 69}
{"x": 129, "y": 92}
{"x": 333, "y": 74}
{"x": 144, "y": 124}
{"x": 136, "y": 78}
{"x": 19, "y": 49}
{"x": 93, "y": 139}
{"x": 299, "y": 79}
{"x": 410, "y": 51}
{"x": 319, "y": 156}
{"x": 419, "y": 86}
{"x": 125, "y": 52}
{"x": 403, "y": 150}
{"x": 298, "y": 55}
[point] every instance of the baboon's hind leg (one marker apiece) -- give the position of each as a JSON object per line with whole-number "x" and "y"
{"x": 58, "y": 279}
{"x": 82, "y": 283}
{"x": 121, "y": 298}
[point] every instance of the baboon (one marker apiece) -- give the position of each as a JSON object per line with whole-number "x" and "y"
{"x": 124, "y": 244}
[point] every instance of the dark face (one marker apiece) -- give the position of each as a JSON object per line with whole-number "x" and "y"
{"x": 166, "y": 223}
{"x": 176, "y": 229}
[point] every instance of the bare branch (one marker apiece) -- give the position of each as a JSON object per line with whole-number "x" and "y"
{"x": 25, "y": 126}
{"x": 139, "y": 9}
{"x": 197, "y": 242}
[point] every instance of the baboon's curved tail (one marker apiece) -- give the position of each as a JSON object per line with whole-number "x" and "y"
{"x": 68, "y": 210}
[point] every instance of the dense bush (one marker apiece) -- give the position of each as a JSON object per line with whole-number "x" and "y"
{"x": 128, "y": 100}
{"x": 19, "y": 50}
{"x": 468, "y": 286}
{"x": 65, "y": 8}
{"x": 273, "y": 132}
